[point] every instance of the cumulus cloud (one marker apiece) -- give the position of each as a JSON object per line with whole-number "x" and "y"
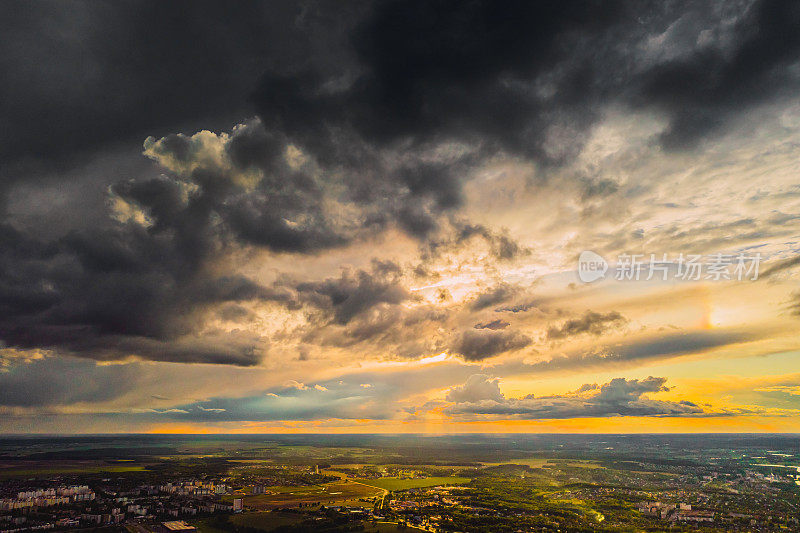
{"x": 619, "y": 397}
{"x": 477, "y": 388}
{"x": 147, "y": 279}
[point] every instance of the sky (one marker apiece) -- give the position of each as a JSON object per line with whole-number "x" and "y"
{"x": 379, "y": 217}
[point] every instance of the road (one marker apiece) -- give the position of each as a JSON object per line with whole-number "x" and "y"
{"x": 383, "y": 495}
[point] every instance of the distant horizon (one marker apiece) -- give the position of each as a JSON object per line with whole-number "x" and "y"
{"x": 476, "y": 266}
{"x": 23, "y": 435}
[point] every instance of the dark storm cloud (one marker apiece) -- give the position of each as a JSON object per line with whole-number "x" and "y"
{"x": 702, "y": 89}
{"x": 53, "y": 381}
{"x": 138, "y": 287}
{"x": 260, "y": 199}
{"x": 619, "y": 397}
{"x": 517, "y": 75}
{"x": 109, "y": 294}
{"x": 591, "y": 322}
{"x": 81, "y": 76}
{"x": 508, "y": 74}
{"x": 350, "y": 294}
{"x": 445, "y": 69}
{"x": 479, "y": 344}
{"x": 391, "y": 104}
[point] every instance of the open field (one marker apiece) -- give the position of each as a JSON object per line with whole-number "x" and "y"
{"x": 391, "y": 483}
{"x": 266, "y": 520}
{"x": 205, "y": 525}
{"x": 388, "y": 527}
{"x": 332, "y": 493}
{"x": 13, "y": 469}
{"x": 533, "y": 462}
{"x": 539, "y": 462}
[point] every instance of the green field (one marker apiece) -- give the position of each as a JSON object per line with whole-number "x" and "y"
{"x": 535, "y": 462}
{"x": 393, "y": 483}
{"x": 325, "y": 494}
{"x": 207, "y": 525}
{"x": 388, "y": 527}
{"x": 67, "y": 469}
{"x": 265, "y": 520}
{"x": 270, "y": 520}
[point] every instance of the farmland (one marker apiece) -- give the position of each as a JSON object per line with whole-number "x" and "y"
{"x": 332, "y": 493}
{"x": 49, "y": 468}
{"x": 393, "y": 484}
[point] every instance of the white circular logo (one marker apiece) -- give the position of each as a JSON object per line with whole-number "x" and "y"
{"x": 591, "y": 267}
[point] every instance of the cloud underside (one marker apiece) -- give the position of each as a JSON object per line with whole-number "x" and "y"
{"x": 481, "y": 395}
{"x": 372, "y": 211}
{"x": 342, "y": 154}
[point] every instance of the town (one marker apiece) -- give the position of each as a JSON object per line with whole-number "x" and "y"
{"x": 579, "y": 483}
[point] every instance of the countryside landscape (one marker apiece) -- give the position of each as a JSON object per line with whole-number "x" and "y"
{"x": 454, "y": 266}
{"x": 509, "y": 483}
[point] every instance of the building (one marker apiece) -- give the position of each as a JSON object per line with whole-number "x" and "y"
{"x": 694, "y": 516}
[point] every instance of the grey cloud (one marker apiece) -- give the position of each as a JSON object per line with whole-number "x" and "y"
{"x": 636, "y": 351}
{"x": 283, "y": 211}
{"x": 386, "y": 143}
{"x": 519, "y": 308}
{"x": 619, "y": 397}
{"x": 591, "y": 322}
{"x": 703, "y": 88}
{"x": 493, "y": 296}
{"x": 515, "y": 75}
{"x": 780, "y": 266}
{"x": 112, "y": 294}
{"x": 462, "y": 77}
{"x": 350, "y": 294}
{"x": 476, "y": 345}
{"x": 494, "y": 324}
{"x": 53, "y": 381}
{"x": 460, "y": 234}
{"x": 330, "y": 400}
{"x": 84, "y": 77}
